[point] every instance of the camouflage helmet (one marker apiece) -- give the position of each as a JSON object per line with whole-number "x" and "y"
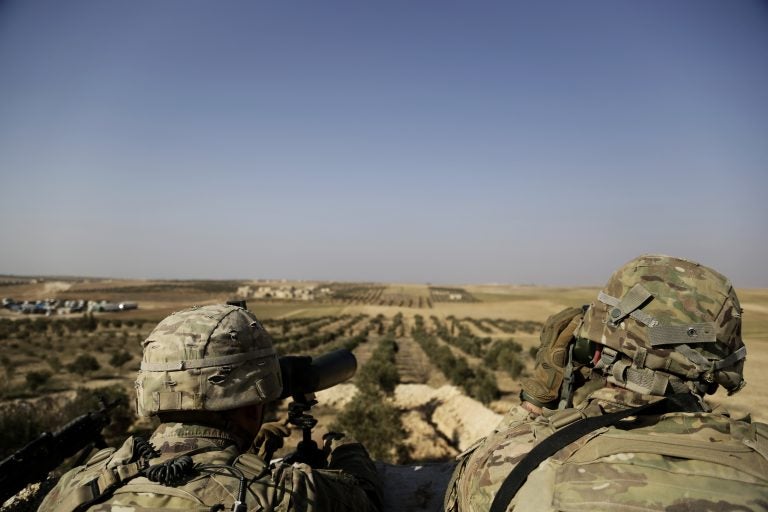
{"x": 210, "y": 358}
{"x": 667, "y": 323}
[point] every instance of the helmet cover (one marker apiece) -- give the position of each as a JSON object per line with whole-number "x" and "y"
{"x": 672, "y": 316}
{"x": 213, "y": 358}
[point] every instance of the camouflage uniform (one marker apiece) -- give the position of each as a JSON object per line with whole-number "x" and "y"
{"x": 661, "y": 326}
{"x": 678, "y": 461}
{"x": 285, "y": 487}
{"x": 198, "y": 364}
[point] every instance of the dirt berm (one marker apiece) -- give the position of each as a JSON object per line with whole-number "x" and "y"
{"x": 440, "y": 423}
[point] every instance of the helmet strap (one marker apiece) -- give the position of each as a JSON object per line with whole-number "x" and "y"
{"x": 629, "y": 305}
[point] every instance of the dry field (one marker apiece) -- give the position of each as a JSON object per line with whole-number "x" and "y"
{"x": 458, "y": 362}
{"x": 433, "y": 411}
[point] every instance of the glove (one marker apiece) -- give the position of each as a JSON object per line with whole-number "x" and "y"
{"x": 270, "y": 439}
{"x": 543, "y": 388}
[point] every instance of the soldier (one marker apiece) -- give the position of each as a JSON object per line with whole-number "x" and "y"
{"x": 207, "y": 373}
{"x": 614, "y": 416}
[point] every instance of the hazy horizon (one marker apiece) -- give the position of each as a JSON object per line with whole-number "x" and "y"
{"x": 49, "y": 277}
{"x": 407, "y": 142}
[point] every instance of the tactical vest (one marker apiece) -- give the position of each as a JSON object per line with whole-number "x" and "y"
{"x": 693, "y": 461}
{"x": 106, "y": 476}
{"x": 110, "y": 478}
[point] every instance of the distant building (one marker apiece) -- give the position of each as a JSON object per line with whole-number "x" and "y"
{"x": 282, "y": 293}
{"x": 304, "y": 294}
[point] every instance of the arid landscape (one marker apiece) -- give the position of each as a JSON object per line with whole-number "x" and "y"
{"x": 453, "y": 356}
{"x": 420, "y": 184}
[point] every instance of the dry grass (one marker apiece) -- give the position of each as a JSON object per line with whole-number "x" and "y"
{"x": 265, "y": 310}
{"x": 411, "y": 290}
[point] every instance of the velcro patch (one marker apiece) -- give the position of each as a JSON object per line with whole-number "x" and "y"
{"x": 682, "y": 334}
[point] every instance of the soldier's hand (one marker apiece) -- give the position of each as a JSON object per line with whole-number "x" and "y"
{"x": 543, "y": 387}
{"x": 270, "y": 439}
{"x": 331, "y": 441}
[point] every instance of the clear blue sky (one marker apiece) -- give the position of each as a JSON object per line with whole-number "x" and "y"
{"x": 516, "y": 142}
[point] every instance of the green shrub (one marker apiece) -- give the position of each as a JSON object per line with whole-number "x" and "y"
{"x": 84, "y": 364}
{"x": 477, "y": 383}
{"x": 8, "y": 328}
{"x": 505, "y": 355}
{"x": 54, "y": 362}
{"x": 380, "y": 372}
{"x": 35, "y": 380}
{"x": 376, "y": 424}
{"x": 86, "y": 323}
{"x": 370, "y": 418}
{"x": 57, "y": 328}
{"x": 39, "y": 325}
{"x": 482, "y": 385}
{"x": 118, "y": 359}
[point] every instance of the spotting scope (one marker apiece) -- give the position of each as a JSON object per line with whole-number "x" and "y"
{"x": 303, "y": 375}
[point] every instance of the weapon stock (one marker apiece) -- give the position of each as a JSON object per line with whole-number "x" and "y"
{"x": 33, "y": 462}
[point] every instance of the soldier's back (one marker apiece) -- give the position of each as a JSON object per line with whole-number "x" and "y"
{"x": 678, "y": 461}
{"x": 211, "y": 480}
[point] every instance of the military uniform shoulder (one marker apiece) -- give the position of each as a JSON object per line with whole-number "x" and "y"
{"x": 75, "y": 478}
{"x": 80, "y": 476}
{"x": 753, "y": 434}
